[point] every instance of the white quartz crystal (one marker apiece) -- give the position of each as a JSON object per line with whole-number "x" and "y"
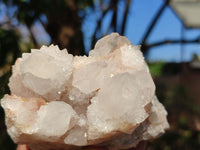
{"x": 158, "y": 123}
{"x": 46, "y": 71}
{"x": 63, "y": 102}
{"x": 61, "y": 115}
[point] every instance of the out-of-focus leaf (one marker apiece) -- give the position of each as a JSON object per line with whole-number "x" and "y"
{"x": 156, "y": 68}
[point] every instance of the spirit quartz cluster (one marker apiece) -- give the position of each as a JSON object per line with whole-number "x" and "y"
{"x": 63, "y": 102}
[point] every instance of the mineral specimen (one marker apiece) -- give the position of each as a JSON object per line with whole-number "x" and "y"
{"x": 59, "y": 101}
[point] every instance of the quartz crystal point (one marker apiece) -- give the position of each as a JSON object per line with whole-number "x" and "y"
{"x": 63, "y": 102}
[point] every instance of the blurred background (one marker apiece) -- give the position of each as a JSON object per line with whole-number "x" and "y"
{"x": 167, "y": 30}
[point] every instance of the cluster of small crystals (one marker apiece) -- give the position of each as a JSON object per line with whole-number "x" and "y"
{"x": 81, "y": 100}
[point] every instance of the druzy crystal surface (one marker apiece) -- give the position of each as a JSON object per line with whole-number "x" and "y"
{"x": 59, "y": 101}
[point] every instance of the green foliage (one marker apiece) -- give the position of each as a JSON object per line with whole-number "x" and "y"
{"x": 177, "y": 139}
{"x": 171, "y": 69}
{"x": 182, "y": 110}
{"x": 8, "y": 46}
{"x": 85, "y": 3}
{"x": 30, "y": 10}
{"x": 164, "y": 69}
{"x": 156, "y": 69}
{"x": 9, "y": 51}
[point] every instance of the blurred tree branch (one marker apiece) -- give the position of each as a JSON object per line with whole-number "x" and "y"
{"x": 33, "y": 38}
{"x": 113, "y": 5}
{"x": 152, "y": 25}
{"x": 125, "y": 16}
{"x": 114, "y": 18}
{"x": 63, "y": 23}
{"x": 174, "y": 41}
{"x": 99, "y": 23}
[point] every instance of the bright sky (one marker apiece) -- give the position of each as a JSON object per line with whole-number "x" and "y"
{"x": 140, "y": 15}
